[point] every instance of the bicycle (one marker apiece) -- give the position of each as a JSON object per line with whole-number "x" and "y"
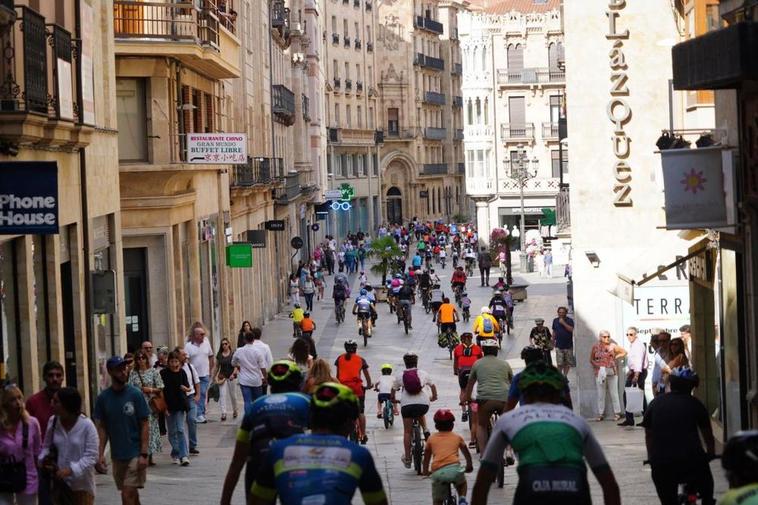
{"x": 425, "y": 300}
{"x": 364, "y": 329}
{"x": 469, "y": 268}
{"x": 339, "y": 311}
{"x": 458, "y": 290}
{"x": 388, "y": 413}
{"x": 466, "y": 314}
{"x": 417, "y": 445}
{"x": 403, "y": 314}
{"x": 685, "y": 494}
{"x": 452, "y": 495}
{"x": 451, "y": 339}
{"x": 501, "y": 465}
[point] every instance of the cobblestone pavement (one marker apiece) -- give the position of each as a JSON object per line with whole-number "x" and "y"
{"x": 201, "y": 482}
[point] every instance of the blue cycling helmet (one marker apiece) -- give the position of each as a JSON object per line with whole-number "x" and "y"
{"x": 398, "y": 276}
{"x": 364, "y": 292}
{"x": 683, "y": 378}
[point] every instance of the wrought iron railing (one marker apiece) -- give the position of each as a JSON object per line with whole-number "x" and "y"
{"x": 533, "y": 75}
{"x": 549, "y": 130}
{"x": 434, "y": 169}
{"x": 432, "y": 62}
{"x": 429, "y": 24}
{"x": 435, "y": 133}
{"x": 370, "y": 47}
{"x": 434, "y": 98}
{"x": 258, "y": 171}
{"x": 306, "y": 107}
{"x": 335, "y": 38}
{"x": 283, "y": 104}
{"x": 458, "y": 134}
{"x": 458, "y": 101}
{"x": 179, "y": 20}
{"x": 457, "y": 69}
{"x": 516, "y": 131}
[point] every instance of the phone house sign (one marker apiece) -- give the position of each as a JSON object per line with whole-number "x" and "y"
{"x": 28, "y": 198}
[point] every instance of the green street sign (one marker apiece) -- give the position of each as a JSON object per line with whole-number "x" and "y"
{"x": 239, "y": 255}
{"x": 348, "y": 192}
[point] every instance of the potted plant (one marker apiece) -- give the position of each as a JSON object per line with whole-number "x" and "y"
{"x": 383, "y": 250}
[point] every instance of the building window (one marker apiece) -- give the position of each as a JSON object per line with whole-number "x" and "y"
{"x": 712, "y": 18}
{"x": 393, "y": 123}
{"x": 345, "y": 165}
{"x": 371, "y": 118}
{"x": 348, "y": 116}
{"x": 132, "y": 120}
{"x": 359, "y": 114}
{"x": 470, "y": 112}
{"x": 336, "y": 68}
{"x": 344, "y": 28}
{"x": 337, "y": 115}
{"x": 334, "y": 24}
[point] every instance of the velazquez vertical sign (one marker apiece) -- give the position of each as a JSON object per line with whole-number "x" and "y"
{"x": 28, "y": 198}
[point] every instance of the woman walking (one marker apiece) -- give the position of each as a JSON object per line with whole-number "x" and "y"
{"x": 20, "y": 440}
{"x": 309, "y": 289}
{"x": 160, "y": 365}
{"x": 244, "y": 330}
{"x": 148, "y": 380}
{"x": 175, "y": 389}
{"x": 603, "y": 358}
{"x": 69, "y": 452}
{"x": 226, "y": 378}
{"x": 294, "y": 290}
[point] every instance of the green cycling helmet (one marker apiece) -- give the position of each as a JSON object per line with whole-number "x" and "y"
{"x": 285, "y": 375}
{"x": 540, "y": 373}
{"x": 386, "y": 366}
{"x": 334, "y": 403}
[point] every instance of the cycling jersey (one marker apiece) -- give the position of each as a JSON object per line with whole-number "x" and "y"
{"x": 318, "y": 469}
{"x": 745, "y": 495}
{"x": 424, "y": 280}
{"x": 466, "y": 356}
{"x": 459, "y": 277}
{"x": 446, "y": 313}
{"x": 437, "y": 296}
{"x": 552, "y": 444}
{"x": 363, "y": 303}
{"x": 349, "y": 372}
{"x": 479, "y": 326}
{"x": 270, "y": 417}
{"x": 497, "y": 304}
{"x": 417, "y": 261}
{"x": 405, "y": 293}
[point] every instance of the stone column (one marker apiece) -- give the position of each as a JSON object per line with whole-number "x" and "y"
{"x": 482, "y": 220}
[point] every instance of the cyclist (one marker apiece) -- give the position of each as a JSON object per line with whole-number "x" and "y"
{"x": 394, "y": 287}
{"x": 364, "y": 309}
{"x": 339, "y": 294}
{"x": 442, "y": 451}
{"x": 531, "y": 354}
{"x": 279, "y": 415}
{"x": 465, "y": 355}
{"x": 385, "y": 386}
{"x": 465, "y": 305}
{"x": 371, "y": 294}
{"x": 458, "y": 280}
{"x": 437, "y": 296}
{"x": 424, "y": 282}
{"x": 349, "y": 368}
{"x": 443, "y": 256}
{"x": 682, "y": 417}
{"x": 308, "y": 327}
{"x": 297, "y": 317}
{"x": 417, "y": 261}
{"x": 485, "y": 326}
{"x": 406, "y": 298}
{"x": 434, "y": 277}
{"x": 552, "y": 444}
{"x": 740, "y": 460}
{"x": 498, "y": 308}
{"x": 455, "y": 256}
{"x": 414, "y": 403}
{"x": 323, "y": 466}
{"x": 493, "y": 377}
{"x": 446, "y": 317}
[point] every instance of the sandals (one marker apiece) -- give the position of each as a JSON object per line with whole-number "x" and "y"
{"x": 406, "y": 462}
{"x": 599, "y": 419}
{"x": 618, "y": 417}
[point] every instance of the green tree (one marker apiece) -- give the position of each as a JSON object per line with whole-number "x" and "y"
{"x": 383, "y": 250}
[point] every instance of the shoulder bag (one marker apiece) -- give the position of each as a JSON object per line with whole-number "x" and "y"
{"x": 157, "y": 403}
{"x": 12, "y": 472}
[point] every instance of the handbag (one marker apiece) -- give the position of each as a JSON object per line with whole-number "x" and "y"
{"x": 634, "y": 399}
{"x": 12, "y": 472}
{"x": 156, "y": 402}
{"x": 214, "y": 391}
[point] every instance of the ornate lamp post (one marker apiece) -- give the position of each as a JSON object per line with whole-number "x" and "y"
{"x": 520, "y": 172}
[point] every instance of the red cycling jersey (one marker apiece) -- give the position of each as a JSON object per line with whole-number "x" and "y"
{"x": 459, "y": 276}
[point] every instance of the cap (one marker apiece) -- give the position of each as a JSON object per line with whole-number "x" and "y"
{"x": 115, "y": 362}
{"x": 539, "y": 320}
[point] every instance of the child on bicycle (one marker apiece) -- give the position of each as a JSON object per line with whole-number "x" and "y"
{"x": 465, "y": 305}
{"x": 442, "y": 450}
{"x": 297, "y": 317}
{"x": 385, "y": 386}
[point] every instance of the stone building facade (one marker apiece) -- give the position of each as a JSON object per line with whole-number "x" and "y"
{"x": 513, "y": 89}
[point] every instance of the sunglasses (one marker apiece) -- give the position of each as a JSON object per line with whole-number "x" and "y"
{"x": 141, "y": 358}
{"x": 630, "y": 334}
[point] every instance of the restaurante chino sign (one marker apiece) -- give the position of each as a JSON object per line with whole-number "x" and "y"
{"x": 618, "y": 110}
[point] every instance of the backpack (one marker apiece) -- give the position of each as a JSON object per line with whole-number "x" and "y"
{"x": 339, "y": 291}
{"x": 487, "y": 326}
{"x": 411, "y": 382}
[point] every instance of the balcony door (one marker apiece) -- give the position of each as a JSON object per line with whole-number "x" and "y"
{"x": 393, "y": 122}
{"x": 394, "y": 206}
{"x": 517, "y": 116}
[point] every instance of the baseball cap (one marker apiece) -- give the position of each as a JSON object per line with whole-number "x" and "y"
{"x": 115, "y": 362}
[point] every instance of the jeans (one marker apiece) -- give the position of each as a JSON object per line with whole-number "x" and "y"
{"x": 228, "y": 392}
{"x": 43, "y": 489}
{"x": 308, "y": 301}
{"x": 204, "y": 384}
{"x": 641, "y": 385}
{"x": 250, "y": 394}
{"x": 611, "y": 383}
{"x": 192, "y": 423}
{"x": 175, "y": 425}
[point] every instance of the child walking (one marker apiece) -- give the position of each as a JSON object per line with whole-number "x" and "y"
{"x": 442, "y": 450}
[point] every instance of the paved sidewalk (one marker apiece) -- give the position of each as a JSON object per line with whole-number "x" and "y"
{"x": 201, "y": 482}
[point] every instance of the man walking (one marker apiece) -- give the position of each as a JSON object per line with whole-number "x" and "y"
{"x": 39, "y": 406}
{"x": 192, "y": 399}
{"x": 485, "y": 263}
{"x": 201, "y": 356}
{"x": 265, "y": 349}
{"x": 121, "y": 414}
{"x": 152, "y": 358}
{"x": 250, "y": 363}
{"x": 548, "y": 260}
{"x": 563, "y": 341}
{"x": 636, "y": 370}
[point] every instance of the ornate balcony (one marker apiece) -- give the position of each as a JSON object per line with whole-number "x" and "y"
{"x": 335, "y": 38}
{"x": 458, "y": 101}
{"x": 512, "y": 132}
{"x": 370, "y": 47}
{"x": 435, "y": 133}
{"x": 346, "y": 40}
{"x": 457, "y": 69}
{"x": 434, "y": 169}
{"x": 283, "y": 104}
{"x": 337, "y": 83}
{"x": 258, "y": 171}
{"x": 458, "y": 134}
{"x": 429, "y": 24}
{"x": 357, "y": 44}
{"x": 434, "y": 98}
{"x": 507, "y": 77}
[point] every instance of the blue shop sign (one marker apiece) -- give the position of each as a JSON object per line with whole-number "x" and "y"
{"x": 28, "y": 198}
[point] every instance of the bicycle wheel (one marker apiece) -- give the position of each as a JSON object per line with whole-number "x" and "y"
{"x": 417, "y": 449}
{"x": 365, "y": 334}
{"x": 387, "y": 415}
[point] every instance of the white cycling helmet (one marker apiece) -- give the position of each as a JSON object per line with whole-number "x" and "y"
{"x": 490, "y": 342}
{"x": 486, "y": 310}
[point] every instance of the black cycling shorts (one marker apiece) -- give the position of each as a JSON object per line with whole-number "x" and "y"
{"x": 383, "y": 397}
{"x": 463, "y": 376}
{"x": 552, "y": 486}
{"x": 445, "y": 326}
{"x": 364, "y": 315}
{"x": 413, "y": 411}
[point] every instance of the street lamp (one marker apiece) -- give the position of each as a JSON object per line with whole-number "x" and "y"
{"x": 519, "y": 172}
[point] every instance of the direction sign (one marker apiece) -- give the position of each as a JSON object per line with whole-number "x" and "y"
{"x": 296, "y": 242}
{"x": 333, "y": 194}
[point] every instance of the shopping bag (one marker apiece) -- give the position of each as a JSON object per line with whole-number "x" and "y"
{"x": 602, "y": 373}
{"x": 634, "y": 399}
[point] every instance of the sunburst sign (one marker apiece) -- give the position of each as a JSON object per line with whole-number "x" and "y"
{"x": 694, "y": 181}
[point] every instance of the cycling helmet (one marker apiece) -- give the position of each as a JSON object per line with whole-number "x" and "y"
{"x": 498, "y": 292}
{"x": 386, "y": 366}
{"x": 398, "y": 276}
{"x": 297, "y": 305}
{"x": 683, "y": 378}
{"x": 444, "y": 416}
{"x": 333, "y": 405}
{"x": 466, "y": 334}
{"x": 486, "y": 310}
{"x": 541, "y": 374}
{"x": 490, "y": 342}
{"x": 306, "y": 313}
{"x": 740, "y": 456}
{"x": 351, "y": 345}
{"x": 363, "y": 292}
{"x": 530, "y": 354}
{"x": 284, "y": 375}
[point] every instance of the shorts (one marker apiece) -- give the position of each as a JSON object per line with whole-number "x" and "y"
{"x": 442, "y": 478}
{"x": 364, "y": 315}
{"x": 445, "y": 326}
{"x": 126, "y": 474}
{"x": 413, "y": 411}
{"x": 463, "y": 376}
{"x": 383, "y": 397}
{"x": 487, "y": 407}
{"x": 565, "y": 357}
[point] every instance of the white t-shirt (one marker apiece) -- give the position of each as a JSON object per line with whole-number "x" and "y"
{"x": 198, "y": 356}
{"x": 266, "y": 350}
{"x": 250, "y": 359}
{"x": 189, "y": 371}
{"x": 385, "y": 384}
{"x": 420, "y": 399}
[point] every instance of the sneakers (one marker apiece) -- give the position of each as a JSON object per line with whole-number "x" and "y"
{"x": 464, "y": 416}
{"x": 185, "y": 461}
{"x": 462, "y": 500}
{"x": 406, "y": 462}
{"x": 223, "y": 417}
{"x": 174, "y": 461}
{"x": 194, "y": 451}
{"x": 201, "y": 420}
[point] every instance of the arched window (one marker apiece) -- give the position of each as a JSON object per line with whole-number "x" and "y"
{"x": 554, "y": 56}
{"x": 515, "y": 61}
